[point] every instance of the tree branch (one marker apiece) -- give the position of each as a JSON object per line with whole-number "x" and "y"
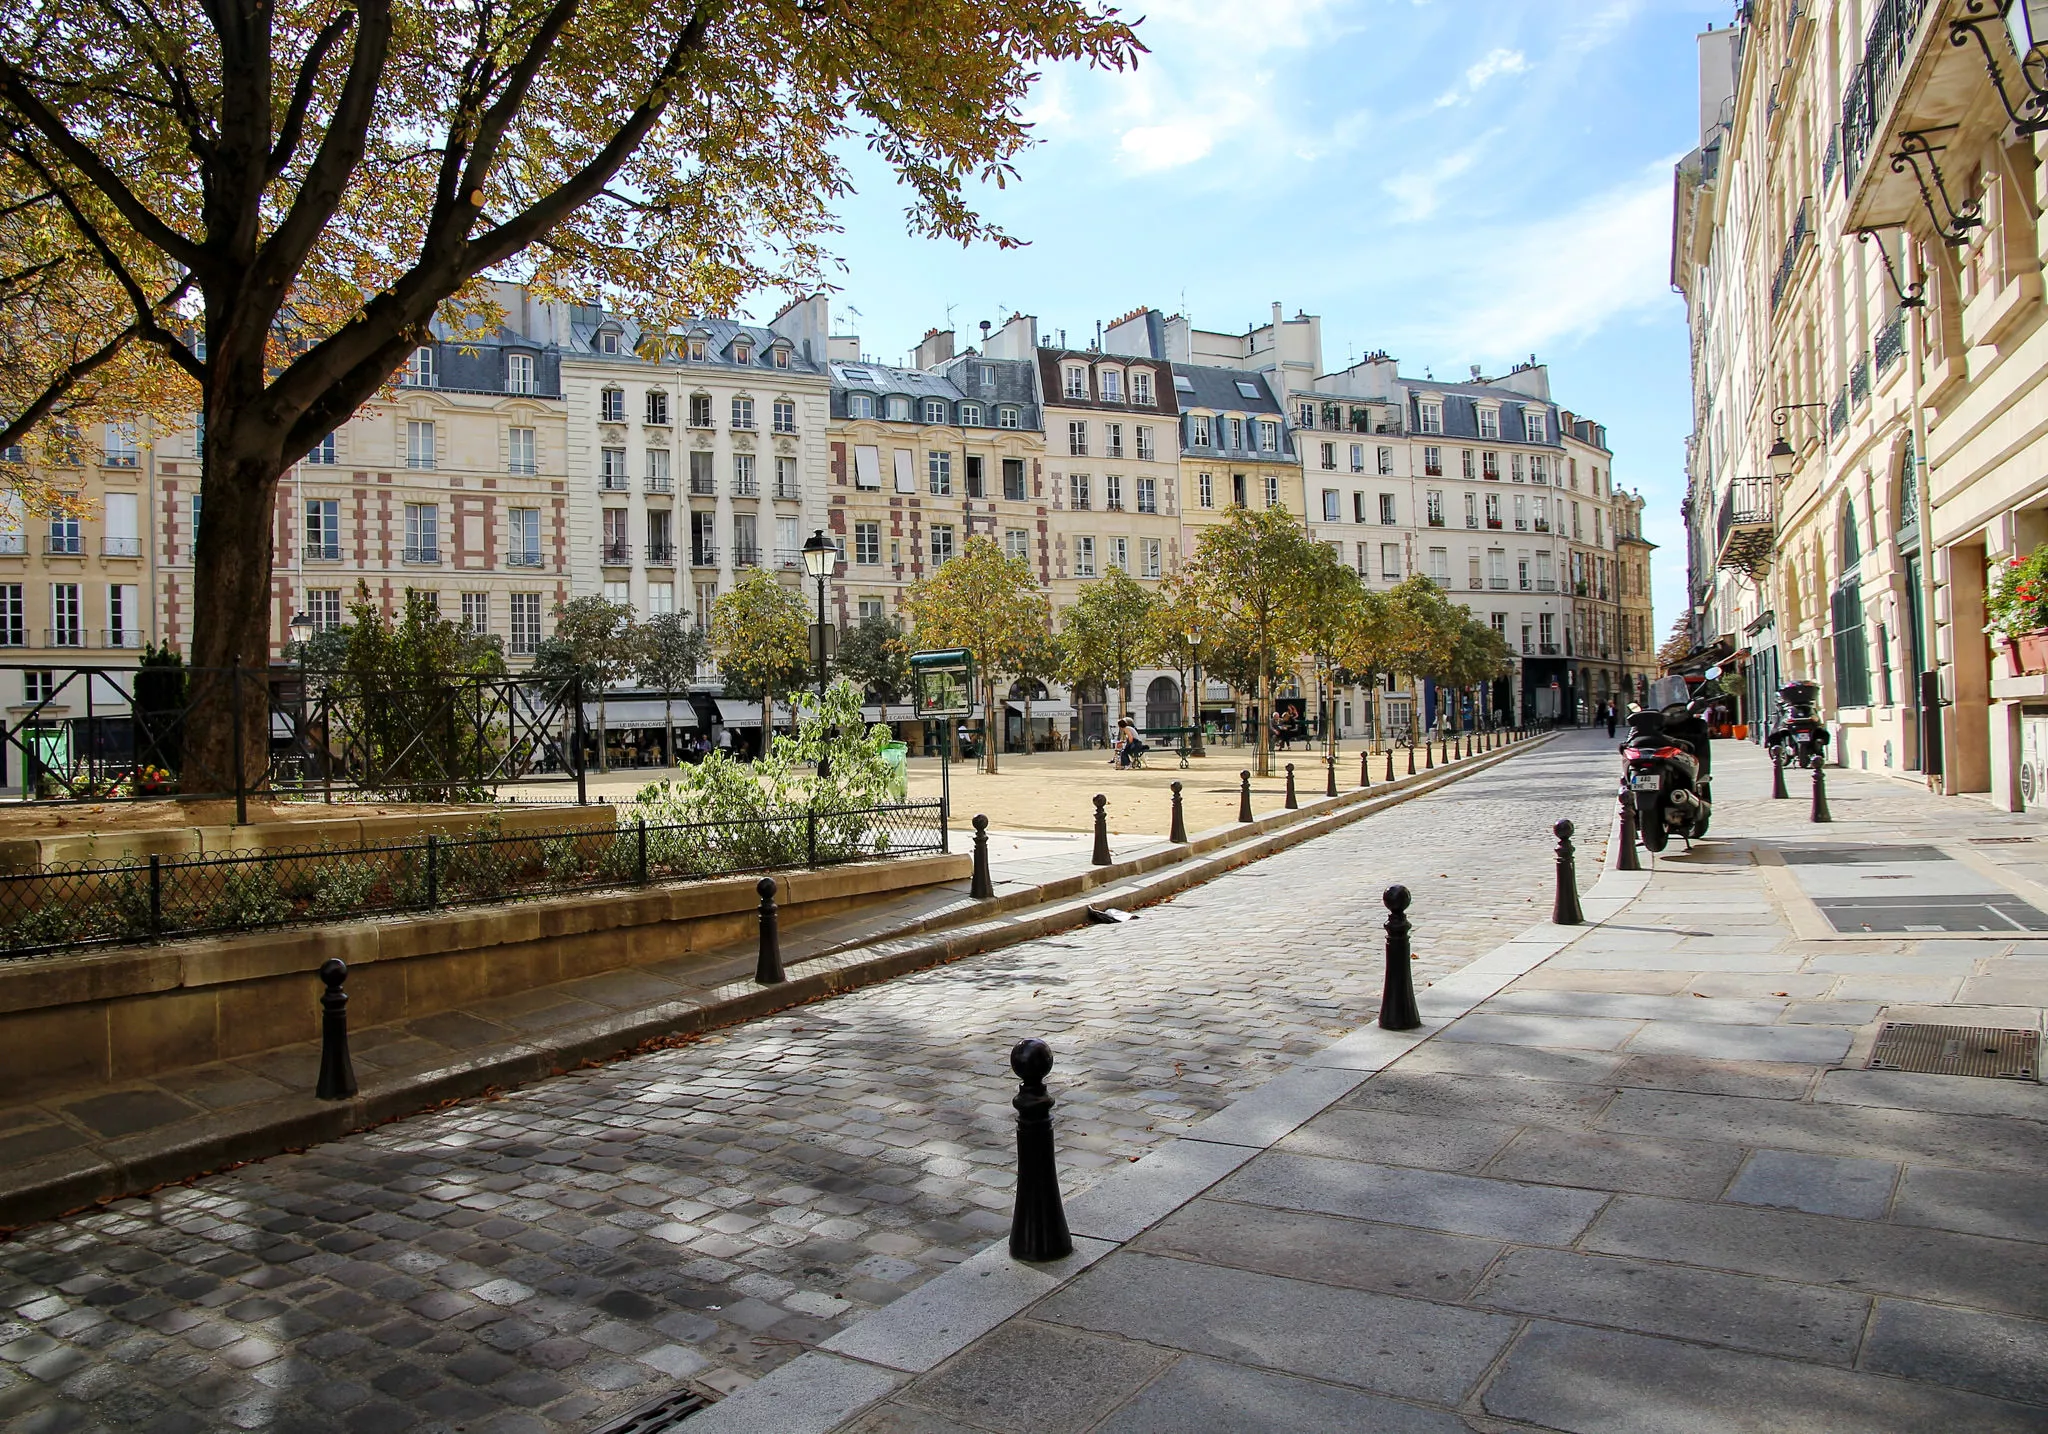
{"x": 23, "y": 423}
{"x": 302, "y": 93}
{"x": 14, "y": 89}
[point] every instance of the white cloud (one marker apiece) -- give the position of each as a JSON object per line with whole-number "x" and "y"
{"x": 1491, "y": 65}
{"x": 1155, "y": 147}
{"x": 1542, "y": 283}
{"x": 1417, "y": 194}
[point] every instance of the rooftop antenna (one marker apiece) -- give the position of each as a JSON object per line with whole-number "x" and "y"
{"x": 949, "y": 314}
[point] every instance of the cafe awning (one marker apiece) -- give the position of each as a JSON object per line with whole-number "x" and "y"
{"x": 734, "y": 713}
{"x": 638, "y": 712}
{"x": 1049, "y": 708}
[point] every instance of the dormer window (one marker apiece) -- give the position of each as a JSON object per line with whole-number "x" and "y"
{"x": 860, "y": 405}
{"x": 519, "y": 373}
{"x": 1536, "y": 423}
{"x": 897, "y": 408}
{"x": 1009, "y": 416}
{"x": 1077, "y": 381}
{"x": 1112, "y": 385}
{"x": 1430, "y": 416}
{"x": 608, "y": 341}
{"x": 935, "y": 410}
{"x": 1489, "y": 423}
{"x": 697, "y": 350}
{"x": 970, "y": 415}
{"x": 781, "y": 357}
{"x": 742, "y": 352}
{"x": 419, "y": 369}
{"x": 1141, "y": 387}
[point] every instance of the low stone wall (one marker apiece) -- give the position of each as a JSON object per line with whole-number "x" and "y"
{"x": 82, "y": 1020}
{"x": 341, "y": 829}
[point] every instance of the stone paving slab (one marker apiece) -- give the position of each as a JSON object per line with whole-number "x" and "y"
{"x": 710, "y": 1215}
{"x": 1638, "y": 1187}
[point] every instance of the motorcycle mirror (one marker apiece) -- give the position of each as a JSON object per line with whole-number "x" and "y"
{"x": 1712, "y": 672}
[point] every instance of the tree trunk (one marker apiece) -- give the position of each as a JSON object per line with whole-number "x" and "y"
{"x": 989, "y": 727}
{"x": 767, "y": 720}
{"x": 603, "y": 745}
{"x": 230, "y": 606}
{"x": 668, "y": 723}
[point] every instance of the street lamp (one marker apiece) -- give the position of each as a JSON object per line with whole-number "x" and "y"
{"x": 819, "y": 555}
{"x": 1783, "y": 457}
{"x": 301, "y": 627}
{"x": 1194, "y": 637}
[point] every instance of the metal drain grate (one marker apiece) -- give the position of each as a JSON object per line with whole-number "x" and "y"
{"x": 658, "y": 1415}
{"x": 1956, "y": 1050}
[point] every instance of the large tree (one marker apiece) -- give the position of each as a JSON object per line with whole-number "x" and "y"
{"x": 1249, "y": 569}
{"x": 284, "y": 198}
{"x": 596, "y": 644}
{"x": 875, "y": 656}
{"x": 988, "y": 604}
{"x": 672, "y": 648}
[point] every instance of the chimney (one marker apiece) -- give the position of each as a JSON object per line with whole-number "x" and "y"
{"x": 935, "y": 349}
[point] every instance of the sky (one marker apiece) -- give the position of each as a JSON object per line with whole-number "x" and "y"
{"x": 1455, "y": 181}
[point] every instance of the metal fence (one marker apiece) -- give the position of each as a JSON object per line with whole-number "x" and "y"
{"x": 68, "y": 906}
{"x": 97, "y": 734}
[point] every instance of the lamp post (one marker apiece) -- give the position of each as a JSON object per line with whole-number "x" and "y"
{"x": 1194, "y": 637}
{"x": 819, "y": 555}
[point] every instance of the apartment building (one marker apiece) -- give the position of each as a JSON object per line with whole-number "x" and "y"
{"x": 1637, "y": 647}
{"x": 1858, "y": 240}
{"x": 697, "y": 455}
{"x": 72, "y": 585}
{"x": 454, "y": 483}
{"x": 923, "y": 458}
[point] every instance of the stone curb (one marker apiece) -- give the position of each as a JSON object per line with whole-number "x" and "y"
{"x": 864, "y": 1364}
{"x": 62, "y": 1183}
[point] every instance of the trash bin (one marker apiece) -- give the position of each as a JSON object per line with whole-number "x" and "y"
{"x": 897, "y": 755}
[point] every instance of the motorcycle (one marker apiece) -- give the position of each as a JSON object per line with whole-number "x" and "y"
{"x": 1667, "y": 768}
{"x": 1801, "y": 739}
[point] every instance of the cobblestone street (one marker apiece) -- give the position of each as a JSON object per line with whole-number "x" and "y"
{"x": 548, "y": 1258}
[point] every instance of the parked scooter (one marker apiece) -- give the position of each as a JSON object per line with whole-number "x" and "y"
{"x": 1801, "y": 738}
{"x": 1667, "y": 767}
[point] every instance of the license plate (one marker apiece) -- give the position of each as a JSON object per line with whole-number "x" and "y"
{"x": 1645, "y": 781}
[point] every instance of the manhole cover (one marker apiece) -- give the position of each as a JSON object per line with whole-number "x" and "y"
{"x": 657, "y": 1415}
{"x": 1956, "y": 1050}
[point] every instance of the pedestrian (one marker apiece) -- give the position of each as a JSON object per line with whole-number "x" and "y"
{"x": 1608, "y": 708}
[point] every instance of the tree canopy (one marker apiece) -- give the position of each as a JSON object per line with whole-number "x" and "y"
{"x": 875, "y": 655}
{"x": 1248, "y": 570}
{"x": 275, "y": 202}
{"x": 989, "y": 604}
{"x": 762, "y": 633}
{"x": 1109, "y": 632}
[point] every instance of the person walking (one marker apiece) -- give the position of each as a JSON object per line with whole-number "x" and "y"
{"x": 1607, "y": 710}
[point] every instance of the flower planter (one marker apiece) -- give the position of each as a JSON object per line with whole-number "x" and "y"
{"x": 2029, "y": 652}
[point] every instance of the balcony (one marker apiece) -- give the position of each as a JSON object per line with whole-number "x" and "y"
{"x": 745, "y": 488}
{"x": 1746, "y": 531}
{"x": 121, "y": 637}
{"x": 1838, "y": 413}
{"x": 1493, "y": 523}
{"x": 1521, "y": 525}
{"x": 661, "y": 485}
{"x": 1476, "y": 584}
{"x": 522, "y": 467}
{"x": 1890, "y": 346}
{"x": 789, "y": 559}
{"x": 661, "y": 555}
{"x": 422, "y": 553}
{"x": 120, "y": 547}
{"x": 613, "y": 483}
{"x": 1547, "y": 649}
{"x": 704, "y": 555}
{"x": 1498, "y": 584}
{"x": 118, "y": 458}
{"x": 616, "y": 555}
{"x": 1789, "y": 259}
{"x": 64, "y": 637}
{"x": 528, "y": 559}
{"x": 1525, "y": 585}
{"x": 1859, "y": 381}
{"x": 786, "y": 493}
{"x": 1432, "y": 470}
{"x": 13, "y": 544}
{"x": 1470, "y": 521}
{"x": 1542, "y": 525}
{"x": 1435, "y": 520}
{"x": 1896, "y": 28}
{"x": 703, "y": 486}
{"x": 62, "y": 545}
{"x": 746, "y": 555}
{"x": 315, "y": 552}
{"x": 1546, "y": 585}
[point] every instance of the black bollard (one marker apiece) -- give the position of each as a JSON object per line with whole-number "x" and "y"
{"x": 1101, "y": 857}
{"x": 768, "y": 966}
{"x": 337, "y": 1072}
{"x": 1364, "y": 768}
{"x": 1330, "y": 775}
{"x": 1627, "y": 860}
{"x": 1398, "y": 1011}
{"x": 1291, "y": 804}
{"x": 983, "y": 887}
{"x": 1179, "y": 834}
{"x": 1778, "y": 792}
{"x": 1819, "y": 813}
{"x": 1428, "y": 756}
{"x": 1038, "y": 1225}
{"x": 1390, "y": 764}
{"x": 1411, "y": 759}
{"x": 1564, "y": 911}
{"x": 1244, "y": 796}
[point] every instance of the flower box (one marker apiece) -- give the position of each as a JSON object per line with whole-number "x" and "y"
{"x": 2029, "y": 652}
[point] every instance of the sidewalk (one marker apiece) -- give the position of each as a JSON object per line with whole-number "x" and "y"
{"x": 62, "y": 1151}
{"x": 1629, "y": 1179}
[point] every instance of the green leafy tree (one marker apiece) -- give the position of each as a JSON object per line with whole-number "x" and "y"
{"x": 762, "y": 634}
{"x": 1037, "y": 659}
{"x": 596, "y": 643}
{"x": 1341, "y": 625}
{"x": 280, "y": 200}
{"x": 1181, "y": 638}
{"x": 990, "y": 605}
{"x": 1427, "y": 627}
{"x": 1110, "y": 632}
{"x": 672, "y": 648}
{"x": 1249, "y": 569}
{"x": 875, "y": 655}
{"x": 1480, "y": 656}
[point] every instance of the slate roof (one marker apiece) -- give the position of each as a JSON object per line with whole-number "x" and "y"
{"x": 1461, "y": 412}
